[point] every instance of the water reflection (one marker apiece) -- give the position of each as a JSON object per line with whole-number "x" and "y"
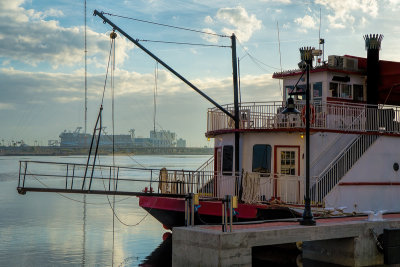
{"x": 48, "y": 229}
{"x": 162, "y": 255}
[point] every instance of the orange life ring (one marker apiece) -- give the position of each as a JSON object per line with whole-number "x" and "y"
{"x": 312, "y": 117}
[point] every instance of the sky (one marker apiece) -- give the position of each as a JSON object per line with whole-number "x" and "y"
{"x": 42, "y": 88}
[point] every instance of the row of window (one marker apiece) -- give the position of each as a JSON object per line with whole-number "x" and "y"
{"x": 337, "y": 89}
{"x": 261, "y": 159}
{"x": 315, "y": 87}
{"x": 347, "y": 91}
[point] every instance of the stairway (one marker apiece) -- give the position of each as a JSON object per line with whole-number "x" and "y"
{"x": 335, "y": 171}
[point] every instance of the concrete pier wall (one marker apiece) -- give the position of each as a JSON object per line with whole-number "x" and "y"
{"x": 348, "y": 243}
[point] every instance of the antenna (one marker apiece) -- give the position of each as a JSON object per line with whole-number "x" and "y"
{"x": 321, "y": 41}
{"x": 319, "y": 29}
{"x": 280, "y": 56}
{"x": 85, "y": 74}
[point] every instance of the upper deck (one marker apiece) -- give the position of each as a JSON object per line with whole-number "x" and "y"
{"x": 325, "y": 116}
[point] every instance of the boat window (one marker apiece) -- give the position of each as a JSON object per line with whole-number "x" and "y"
{"x": 341, "y": 90}
{"x": 262, "y": 159}
{"x": 358, "y": 92}
{"x": 227, "y": 160}
{"x": 300, "y": 90}
{"x": 345, "y": 91}
{"x": 333, "y": 87}
{"x": 288, "y": 89}
{"x": 288, "y": 162}
{"x": 317, "y": 91}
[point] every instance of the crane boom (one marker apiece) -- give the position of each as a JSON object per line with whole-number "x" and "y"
{"x": 136, "y": 42}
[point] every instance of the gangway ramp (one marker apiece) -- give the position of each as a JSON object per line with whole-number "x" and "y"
{"x": 42, "y": 176}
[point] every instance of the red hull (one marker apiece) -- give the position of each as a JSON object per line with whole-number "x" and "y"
{"x": 170, "y": 211}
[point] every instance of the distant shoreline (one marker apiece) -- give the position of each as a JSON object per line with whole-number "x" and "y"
{"x": 69, "y": 151}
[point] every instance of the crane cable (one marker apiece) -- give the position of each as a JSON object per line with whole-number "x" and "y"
{"x": 166, "y": 25}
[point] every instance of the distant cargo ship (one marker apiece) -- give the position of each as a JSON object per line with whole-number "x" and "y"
{"x": 160, "y": 138}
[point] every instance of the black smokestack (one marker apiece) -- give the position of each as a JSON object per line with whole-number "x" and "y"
{"x": 373, "y": 45}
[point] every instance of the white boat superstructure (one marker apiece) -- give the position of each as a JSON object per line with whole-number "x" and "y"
{"x": 355, "y": 135}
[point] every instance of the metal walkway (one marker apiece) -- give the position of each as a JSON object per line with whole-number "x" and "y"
{"x": 38, "y": 176}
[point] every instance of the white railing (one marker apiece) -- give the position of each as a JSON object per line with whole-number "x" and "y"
{"x": 280, "y": 188}
{"x": 208, "y": 165}
{"x": 285, "y": 189}
{"x": 78, "y": 178}
{"x": 331, "y": 115}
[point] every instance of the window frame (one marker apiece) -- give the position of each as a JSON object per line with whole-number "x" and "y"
{"x": 227, "y": 159}
{"x": 267, "y": 153}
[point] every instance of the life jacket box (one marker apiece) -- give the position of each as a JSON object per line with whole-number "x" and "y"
{"x": 391, "y": 246}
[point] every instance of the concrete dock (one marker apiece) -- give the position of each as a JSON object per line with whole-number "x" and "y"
{"x": 346, "y": 241}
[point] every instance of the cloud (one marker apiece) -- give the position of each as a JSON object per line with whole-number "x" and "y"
{"x": 208, "y": 37}
{"x": 392, "y": 4}
{"x": 21, "y": 87}
{"x": 286, "y": 2}
{"x": 54, "y": 101}
{"x": 305, "y": 23}
{"x": 6, "y": 106}
{"x": 235, "y": 20}
{"x": 35, "y": 39}
{"x": 64, "y": 99}
{"x": 208, "y": 20}
{"x": 244, "y": 25}
{"x": 345, "y": 11}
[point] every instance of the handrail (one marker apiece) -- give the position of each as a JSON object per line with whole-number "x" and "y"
{"x": 340, "y": 155}
{"x": 335, "y": 116}
{"x": 206, "y": 164}
{"x": 327, "y": 180}
{"x": 334, "y": 142}
{"x": 69, "y": 178}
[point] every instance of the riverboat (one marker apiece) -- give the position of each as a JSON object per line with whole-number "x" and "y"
{"x": 329, "y": 147}
{"x": 354, "y": 139}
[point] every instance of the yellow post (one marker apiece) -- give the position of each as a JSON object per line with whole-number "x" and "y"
{"x": 196, "y": 199}
{"x": 234, "y": 202}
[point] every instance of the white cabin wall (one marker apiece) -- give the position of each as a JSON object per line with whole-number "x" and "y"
{"x": 325, "y": 77}
{"x": 376, "y": 165}
{"x": 314, "y": 77}
{"x": 224, "y": 140}
{"x": 272, "y": 139}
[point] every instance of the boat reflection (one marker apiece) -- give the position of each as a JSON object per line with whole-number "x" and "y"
{"x": 162, "y": 255}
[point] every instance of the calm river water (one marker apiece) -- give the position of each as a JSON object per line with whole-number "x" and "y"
{"x": 49, "y": 229}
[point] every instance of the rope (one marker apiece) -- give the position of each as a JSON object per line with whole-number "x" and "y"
{"x": 113, "y": 150}
{"x": 97, "y": 203}
{"x": 182, "y": 43}
{"x": 255, "y": 60}
{"x": 166, "y": 25}
{"x": 390, "y": 92}
{"x": 251, "y": 188}
{"x": 72, "y": 199}
{"x": 112, "y": 208}
{"x": 108, "y": 65}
